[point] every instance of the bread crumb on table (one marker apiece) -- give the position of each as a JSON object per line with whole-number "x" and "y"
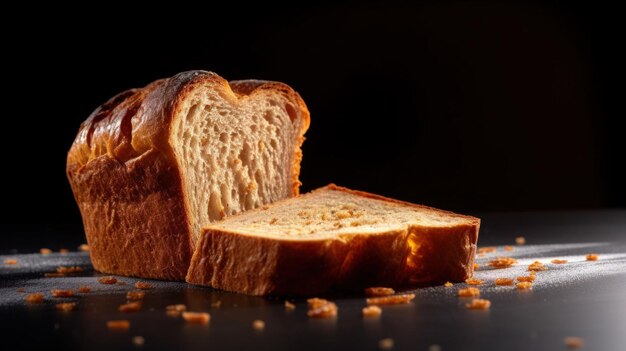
{"x": 508, "y": 248}
{"x": 574, "y": 342}
{"x": 34, "y": 298}
{"x": 526, "y": 278}
{"x": 504, "y": 281}
{"x": 45, "y": 251}
{"x": 289, "y": 306}
{"x": 138, "y": 340}
{"x": 379, "y": 291}
{"x": 130, "y": 307}
{"x": 591, "y": 257}
{"x": 486, "y": 249}
{"x": 216, "y": 304}
{"x": 537, "y": 266}
{"x": 469, "y": 292}
{"x": 84, "y": 289}
{"x": 143, "y": 285}
{"x": 391, "y": 300}
{"x": 479, "y": 304}
{"x": 520, "y": 240}
{"x": 135, "y": 295}
{"x": 502, "y": 262}
{"x": 321, "y": 308}
{"x": 558, "y": 261}
{"x": 69, "y": 270}
{"x": 196, "y": 317}
{"x": 121, "y": 325}
{"x": 62, "y": 293}
{"x": 107, "y": 280}
{"x": 372, "y": 311}
{"x": 10, "y": 261}
{"x": 258, "y": 325}
{"x": 64, "y": 251}
{"x": 83, "y": 247}
{"x": 524, "y": 285}
{"x": 474, "y": 281}
{"x": 66, "y": 307}
{"x": 386, "y": 344}
{"x": 448, "y": 284}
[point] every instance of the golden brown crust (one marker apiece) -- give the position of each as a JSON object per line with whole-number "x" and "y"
{"x": 127, "y": 182}
{"x": 397, "y": 259}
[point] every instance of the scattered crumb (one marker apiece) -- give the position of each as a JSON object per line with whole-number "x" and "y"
{"x": 107, "y": 280}
{"x": 143, "y": 285}
{"x": 120, "y": 325}
{"x": 391, "y": 300}
{"x": 216, "y": 304}
{"x": 10, "y": 261}
{"x": 504, "y": 281}
{"x": 478, "y": 304}
{"x": 34, "y": 298}
{"x": 520, "y": 240}
{"x": 54, "y": 275}
{"x": 537, "y": 266}
{"x": 379, "y": 291}
{"x": 196, "y": 317}
{"x": 469, "y": 292}
{"x": 66, "y": 307}
{"x": 524, "y": 285}
{"x": 386, "y": 344}
{"x": 508, "y": 248}
{"x": 486, "y": 249}
{"x": 62, "y": 293}
{"x": 64, "y": 251}
{"x": 175, "y": 310}
{"x": 45, "y": 251}
{"x": 21, "y": 290}
{"x": 502, "y": 262}
{"x": 83, "y": 247}
{"x": 527, "y": 278}
{"x": 476, "y": 266}
{"x": 138, "y": 340}
{"x": 448, "y": 284}
{"x": 592, "y": 257}
{"x": 372, "y": 311}
{"x": 258, "y": 325}
{"x": 130, "y": 307}
{"x": 574, "y": 342}
{"x": 558, "y": 261}
{"x": 84, "y": 289}
{"x": 474, "y": 281}
{"x": 135, "y": 295}
{"x": 68, "y": 270}
{"x": 289, "y": 306}
{"x": 320, "y": 308}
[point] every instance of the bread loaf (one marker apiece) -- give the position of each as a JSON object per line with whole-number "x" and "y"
{"x": 334, "y": 238}
{"x": 152, "y": 166}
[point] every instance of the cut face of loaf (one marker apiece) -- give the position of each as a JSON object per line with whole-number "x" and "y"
{"x": 152, "y": 166}
{"x": 334, "y": 238}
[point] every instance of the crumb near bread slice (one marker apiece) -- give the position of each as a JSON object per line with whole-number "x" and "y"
{"x": 335, "y": 238}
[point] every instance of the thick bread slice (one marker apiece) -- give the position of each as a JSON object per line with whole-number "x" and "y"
{"x": 152, "y": 166}
{"x": 334, "y": 238}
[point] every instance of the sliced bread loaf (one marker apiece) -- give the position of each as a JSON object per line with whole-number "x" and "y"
{"x": 152, "y": 166}
{"x": 334, "y": 238}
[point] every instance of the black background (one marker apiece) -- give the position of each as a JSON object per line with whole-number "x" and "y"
{"x": 467, "y": 106}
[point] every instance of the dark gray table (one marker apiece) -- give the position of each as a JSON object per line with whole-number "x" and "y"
{"x": 580, "y": 298}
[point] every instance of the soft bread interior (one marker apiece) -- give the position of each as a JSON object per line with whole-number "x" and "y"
{"x": 329, "y": 212}
{"x": 235, "y": 152}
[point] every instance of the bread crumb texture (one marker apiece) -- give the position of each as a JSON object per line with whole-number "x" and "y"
{"x": 143, "y": 285}
{"x": 592, "y": 257}
{"x": 107, "y": 280}
{"x": 66, "y": 307}
{"x": 379, "y": 291}
{"x": 130, "y": 307}
{"x": 34, "y": 298}
{"x": 537, "y": 266}
{"x": 520, "y": 240}
{"x": 196, "y": 317}
{"x": 119, "y": 325}
{"x": 391, "y": 300}
{"x": 479, "y": 304}
{"x": 469, "y": 292}
{"x": 372, "y": 311}
{"x": 524, "y": 285}
{"x": 502, "y": 262}
{"x": 258, "y": 325}
{"x": 62, "y": 293}
{"x": 474, "y": 281}
{"x": 321, "y": 308}
{"x": 504, "y": 281}
{"x": 135, "y": 295}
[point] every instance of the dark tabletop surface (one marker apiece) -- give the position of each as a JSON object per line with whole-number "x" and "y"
{"x": 581, "y": 298}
